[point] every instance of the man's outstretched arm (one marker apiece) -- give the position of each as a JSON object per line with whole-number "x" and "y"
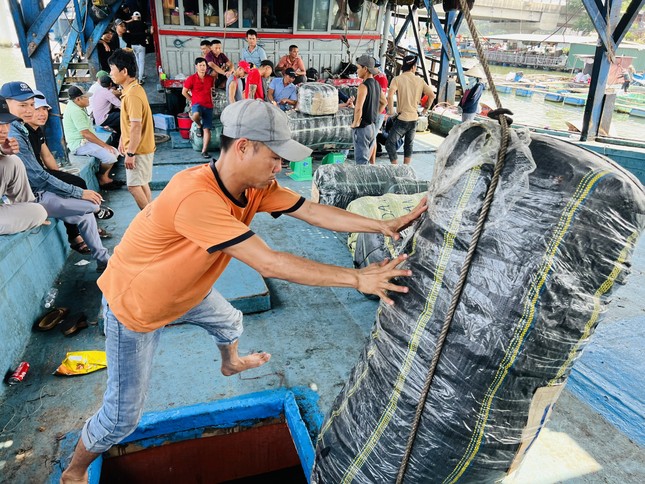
{"x": 339, "y": 220}
{"x": 374, "y": 279}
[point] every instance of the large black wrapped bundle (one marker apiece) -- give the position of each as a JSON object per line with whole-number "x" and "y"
{"x": 331, "y": 132}
{"x": 339, "y": 184}
{"x": 556, "y": 241}
{"x": 317, "y": 99}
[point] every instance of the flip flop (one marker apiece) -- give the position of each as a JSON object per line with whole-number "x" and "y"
{"x": 73, "y": 325}
{"x": 104, "y": 213}
{"x": 81, "y": 248}
{"x": 104, "y": 234}
{"x": 51, "y": 319}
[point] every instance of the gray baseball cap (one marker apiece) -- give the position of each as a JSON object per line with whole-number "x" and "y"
{"x": 368, "y": 62}
{"x": 261, "y": 121}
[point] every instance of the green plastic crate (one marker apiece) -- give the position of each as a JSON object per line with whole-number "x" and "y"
{"x": 333, "y": 158}
{"x": 302, "y": 170}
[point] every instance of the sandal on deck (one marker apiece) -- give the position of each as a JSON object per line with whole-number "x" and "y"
{"x": 51, "y": 319}
{"x": 104, "y": 234}
{"x": 80, "y": 247}
{"x": 104, "y": 213}
{"x": 74, "y": 324}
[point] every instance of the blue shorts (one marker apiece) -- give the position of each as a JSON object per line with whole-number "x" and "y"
{"x": 205, "y": 113}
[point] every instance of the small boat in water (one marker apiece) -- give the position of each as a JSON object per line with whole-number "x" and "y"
{"x": 638, "y": 112}
{"x": 554, "y": 97}
{"x": 574, "y": 101}
{"x": 523, "y": 92}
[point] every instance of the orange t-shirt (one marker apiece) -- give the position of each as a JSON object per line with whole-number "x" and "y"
{"x": 170, "y": 255}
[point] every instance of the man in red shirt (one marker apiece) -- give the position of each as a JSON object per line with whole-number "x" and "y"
{"x": 197, "y": 89}
{"x": 254, "y": 88}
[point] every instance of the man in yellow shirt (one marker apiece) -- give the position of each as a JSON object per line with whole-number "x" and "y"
{"x": 175, "y": 249}
{"x": 408, "y": 88}
{"x": 137, "y": 127}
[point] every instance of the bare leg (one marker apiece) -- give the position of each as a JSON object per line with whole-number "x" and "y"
{"x": 407, "y": 160}
{"x": 139, "y": 194}
{"x": 372, "y": 159}
{"x": 207, "y": 140}
{"x": 232, "y": 363}
{"x": 148, "y": 193}
{"x": 197, "y": 118}
{"x": 104, "y": 173}
{"x": 394, "y": 162}
{"x": 76, "y": 472}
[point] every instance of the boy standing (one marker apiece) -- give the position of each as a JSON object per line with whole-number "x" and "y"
{"x": 197, "y": 89}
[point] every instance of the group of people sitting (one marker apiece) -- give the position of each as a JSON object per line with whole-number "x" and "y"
{"x": 32, "y": 185}
{"x": 249, "y": 79}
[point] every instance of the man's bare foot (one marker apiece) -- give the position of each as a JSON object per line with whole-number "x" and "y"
{"x": 74, "y": 480}
{"x": 244, "y": 363}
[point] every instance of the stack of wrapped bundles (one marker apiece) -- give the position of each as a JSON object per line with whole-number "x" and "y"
{"x": 317, "y": 99}
{"x": 559, "y": 235}
{"x": 331, "y": 132}
{"x": 339, "y": 184}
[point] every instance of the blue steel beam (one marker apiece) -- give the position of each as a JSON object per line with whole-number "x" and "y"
{"x": 600, "y": 71}
{"x": 600, "y": 23}
{"x": 422, "y": 56}
{"x": 627, "y": 20}
{"x": 19, "y": 24}
{"x": 41, "y": 62}
{"x": 39, "y": 30}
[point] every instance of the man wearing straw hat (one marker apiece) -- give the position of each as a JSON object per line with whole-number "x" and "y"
{"x": 470, "y": 100}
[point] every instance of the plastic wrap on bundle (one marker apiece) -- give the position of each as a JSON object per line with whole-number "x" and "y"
{"x": 317, "y": 99}
{"x": 330, "y": 132}
{"x": 197, "y": 142}
{"x": 339, "y": 184}
{"x": 385, "y": 207}
{"x": 220, "y": 101}
{"x": 559, "y": 238}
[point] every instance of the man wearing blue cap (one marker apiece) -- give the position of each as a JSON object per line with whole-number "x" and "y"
{"x": 61, "y": 200}
{"x": 18, "y": 208}
{"x": 176, "y": 248}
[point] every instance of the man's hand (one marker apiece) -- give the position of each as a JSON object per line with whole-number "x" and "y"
{"x": 92, "y": 196}
{"x": 10, "y": 146}
{"x": 393, "y": 227}
{"x": 375, "y": 278}
{"x": 112, "y": 149}
{"x": 130, "y": 162}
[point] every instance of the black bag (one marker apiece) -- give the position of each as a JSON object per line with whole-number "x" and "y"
{"x": 312, "y": 75}
{"x": 347, "y": 69}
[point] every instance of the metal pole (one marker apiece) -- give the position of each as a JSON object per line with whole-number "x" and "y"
{"x": 386, "y": 32}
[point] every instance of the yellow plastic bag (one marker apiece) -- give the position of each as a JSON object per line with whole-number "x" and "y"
{"x": 82, "y": 362}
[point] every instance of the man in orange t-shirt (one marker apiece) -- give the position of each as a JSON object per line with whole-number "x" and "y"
{"x": 175, "y": 249}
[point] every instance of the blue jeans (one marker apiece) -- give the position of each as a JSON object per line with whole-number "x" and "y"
{"x": 364, "y": 138}
{"x": 206, "y": 114}
{"x": 399, "y": 130}
{"x": 129, "y": 360}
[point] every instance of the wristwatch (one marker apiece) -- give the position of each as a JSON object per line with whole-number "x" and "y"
{"x": 130, "y": 155}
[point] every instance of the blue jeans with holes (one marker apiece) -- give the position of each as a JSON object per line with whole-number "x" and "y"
{"x": 129, "y": 360}
{"x": 401, "y": 129}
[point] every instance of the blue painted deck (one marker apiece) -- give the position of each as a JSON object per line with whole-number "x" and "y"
{"x": 315, "y": 336}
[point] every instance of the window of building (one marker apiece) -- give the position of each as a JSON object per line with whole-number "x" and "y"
{"x": 313, "y": 15}
{"x": 276, "y": 14}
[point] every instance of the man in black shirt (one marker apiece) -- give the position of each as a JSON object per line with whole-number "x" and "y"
{"x": 370, "y": 101}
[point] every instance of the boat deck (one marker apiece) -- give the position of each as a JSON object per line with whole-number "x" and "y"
{"x": 315, "y": 336}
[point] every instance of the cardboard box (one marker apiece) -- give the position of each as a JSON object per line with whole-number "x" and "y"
{"x": 164, "y": 121}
